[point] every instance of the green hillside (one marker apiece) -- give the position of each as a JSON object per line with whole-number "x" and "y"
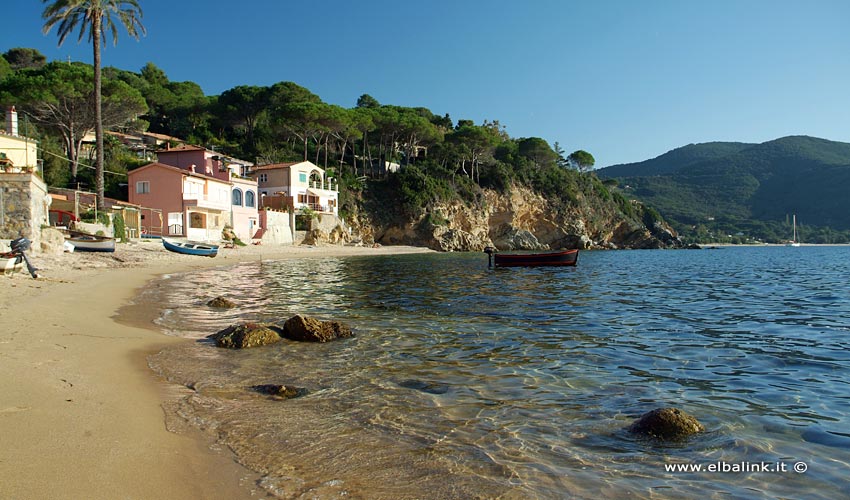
{"x": 712, "y": 190}
{"x": 676, "y": 159}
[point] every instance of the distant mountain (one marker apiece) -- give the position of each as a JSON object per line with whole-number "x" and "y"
{"x": 673, "y": 160}
{"x": 746, "y": 188}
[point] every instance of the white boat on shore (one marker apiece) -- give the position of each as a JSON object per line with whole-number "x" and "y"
{"x": 11, "y": 263}
{"x": 90, "y": 243}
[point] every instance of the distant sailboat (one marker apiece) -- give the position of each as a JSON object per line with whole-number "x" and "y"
{"x": 793, "y": 242}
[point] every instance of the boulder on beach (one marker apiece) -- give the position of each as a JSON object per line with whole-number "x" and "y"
{"x": 246, "y": 335}
{"x": 279, "y": 390}
{"x": 307, "y": 329}
{"x": 666, "y": 423}
{"x": 221, "y": 303}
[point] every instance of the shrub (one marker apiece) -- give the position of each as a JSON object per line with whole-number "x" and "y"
{"x": 119, "y": 227}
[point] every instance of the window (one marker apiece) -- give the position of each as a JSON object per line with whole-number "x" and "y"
{"x": 197, "y": 220}
{"x": 143, "y": 187}
{"x": 302, "y": 177}
{"x": 263, "y": 178}
{"x": 249, "y": 199}
{"x": 302, "y": 198}
{"x": 237, "y": 197}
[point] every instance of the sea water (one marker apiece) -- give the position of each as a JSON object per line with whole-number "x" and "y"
{"x": 467, "y": 382}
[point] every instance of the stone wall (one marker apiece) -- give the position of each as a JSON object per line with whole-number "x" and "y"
{"x": 278, "y": 231}
{"x": 23, "y": 207}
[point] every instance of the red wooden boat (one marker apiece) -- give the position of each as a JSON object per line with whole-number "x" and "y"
{"x": 557, "y": 258}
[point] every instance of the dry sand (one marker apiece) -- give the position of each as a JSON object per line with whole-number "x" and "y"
{"x": 80, "y": 414}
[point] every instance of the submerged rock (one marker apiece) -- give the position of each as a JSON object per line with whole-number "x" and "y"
{"x": 246, "y": 335}
{"x": 222, "y": 303}
{"x": 307, "y": 329}
{"x": 280, "y": 391}
{"x": 666, "y": 423}
{"x": 425, "y": 386}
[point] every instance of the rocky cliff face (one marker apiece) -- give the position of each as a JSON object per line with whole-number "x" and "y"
{"x": 520, "y": 219}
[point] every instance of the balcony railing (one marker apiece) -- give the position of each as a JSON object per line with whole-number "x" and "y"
{"x": 328, "y": 186}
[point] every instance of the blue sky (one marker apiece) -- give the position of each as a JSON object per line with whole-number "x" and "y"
{"x": 624, "y": 80}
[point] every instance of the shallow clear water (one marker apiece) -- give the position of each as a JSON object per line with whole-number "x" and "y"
{"x": 465, "y": 382}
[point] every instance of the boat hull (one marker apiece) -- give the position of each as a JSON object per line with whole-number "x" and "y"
{"x": 191, "y": 248}
{"x": 11, "y": 263}
{"x": 560, "y": 258}
{"x": 92, "y": 244}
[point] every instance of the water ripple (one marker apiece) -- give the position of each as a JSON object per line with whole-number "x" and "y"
{"x": 538, "y": 371}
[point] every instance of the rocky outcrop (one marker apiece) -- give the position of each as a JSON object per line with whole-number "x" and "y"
{"x": 666, "y": 423}
{"x": 307, "y": 329}
{"x": 519, "y": 219}
{"x": 246, "y": 335}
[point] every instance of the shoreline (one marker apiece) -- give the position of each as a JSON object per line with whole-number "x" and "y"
{"x": 81, "y": 408}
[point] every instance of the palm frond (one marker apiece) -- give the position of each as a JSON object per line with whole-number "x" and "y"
{"x": 71, "y": 15}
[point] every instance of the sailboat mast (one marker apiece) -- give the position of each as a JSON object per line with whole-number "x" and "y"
{"x": 794, "y": 235}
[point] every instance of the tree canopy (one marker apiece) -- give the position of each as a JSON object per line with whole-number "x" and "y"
{"x": 23, "y": 58}
{"x": 95, "y": 18}
{"x": 59, "y": 96}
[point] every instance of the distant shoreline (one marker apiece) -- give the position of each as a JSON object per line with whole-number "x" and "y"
{"x": 707, "y": 245}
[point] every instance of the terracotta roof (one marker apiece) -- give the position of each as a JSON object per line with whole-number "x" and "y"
{"x": 182, "y": 147}
{"x": 273, "y": 166}
{"x": 177, "y": 169}
{"x": 161, "y": 136}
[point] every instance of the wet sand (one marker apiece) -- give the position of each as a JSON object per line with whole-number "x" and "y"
{"x": 79, "y": 407}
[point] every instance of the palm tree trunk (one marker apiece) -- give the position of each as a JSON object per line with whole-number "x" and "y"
{"x": 98, "y": 130}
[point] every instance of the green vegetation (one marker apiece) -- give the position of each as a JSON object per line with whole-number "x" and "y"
{"x": 119, "y": 230}
{"x": 96, "y": 217}
{"x": 391, "y": 160}
{"x": 747, "y": 192}
{"x": 97, "y": 18}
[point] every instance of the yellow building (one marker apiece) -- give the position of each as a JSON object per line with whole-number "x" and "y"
{"x": 17, "y": 153}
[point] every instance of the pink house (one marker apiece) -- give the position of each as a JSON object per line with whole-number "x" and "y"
{"x": 193, "y": 205}
{"x": 204, "y": 203}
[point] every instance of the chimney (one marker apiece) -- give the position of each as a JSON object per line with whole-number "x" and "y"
{"x": 193, "y": 167}
{"x": 12, "y": 121}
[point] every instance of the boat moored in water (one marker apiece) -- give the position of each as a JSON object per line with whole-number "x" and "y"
{"x": 556, "y": 258}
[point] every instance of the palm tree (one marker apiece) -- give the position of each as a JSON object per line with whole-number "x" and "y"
{"x": 92, "y": 16}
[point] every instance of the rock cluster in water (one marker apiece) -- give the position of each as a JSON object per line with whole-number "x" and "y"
{"x": 424, "y": 386}
{"x": 666, "y": 423}
{"x": 307, "y": 329}
{"x": 299, "y": 328}
{"x": 221, "y": 303}
{"x": 280, "y": 391}
{"x": 246, "y": 335}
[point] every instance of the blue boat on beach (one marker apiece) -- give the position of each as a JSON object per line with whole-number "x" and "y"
{"x": 191, "y": 247}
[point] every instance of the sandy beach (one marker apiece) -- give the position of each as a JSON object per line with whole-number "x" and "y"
{"x": 79, "y": 407}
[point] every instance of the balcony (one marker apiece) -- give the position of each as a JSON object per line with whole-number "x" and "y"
{"x": 330, "y": 185}
{"x": 205, "y": 201}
